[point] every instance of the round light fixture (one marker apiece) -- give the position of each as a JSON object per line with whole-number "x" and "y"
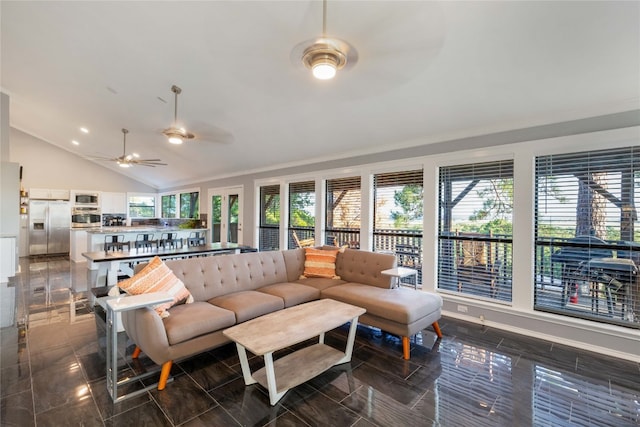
{"x": 324, "y": 60}
{"x": 175, "y": 139}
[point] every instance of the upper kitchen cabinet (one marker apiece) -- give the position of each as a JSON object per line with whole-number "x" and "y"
{"x": 48, "y": 194}
{"x": 114, "y": 203}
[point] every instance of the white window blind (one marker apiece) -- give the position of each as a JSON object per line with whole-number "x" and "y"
{"x": 475, "y": 229}
{"x": 269, "y": 218}
{"x": 398, "y": 217}
{"x": 343, "y": 211}
{"x": 586, "y": 235}
{"x": 302, "y": 209}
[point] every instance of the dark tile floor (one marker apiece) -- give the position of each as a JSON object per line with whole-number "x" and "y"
{"x": 52, "y": 374}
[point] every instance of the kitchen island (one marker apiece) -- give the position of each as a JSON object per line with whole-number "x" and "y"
{"x": 92, "y": 239}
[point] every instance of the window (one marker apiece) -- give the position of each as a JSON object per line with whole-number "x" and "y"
{"x": 269, "y": 237}
{"x": 190, "y": 204}
{"x": 168, "y": 206}
{"x": 302, "y": 210}
{"x": 475, "y": 229}
{"x": 398, "y": 216}
{"x": 586, "y": 235}
{"x": 142, "y": 206}
{"x": 343, "y": 211}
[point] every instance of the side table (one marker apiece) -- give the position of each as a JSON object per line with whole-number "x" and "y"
{"x": 115, "y": 306}
{"x": 400, "y": 273}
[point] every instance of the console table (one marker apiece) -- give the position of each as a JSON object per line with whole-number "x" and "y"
{"x": 114, "y": 306}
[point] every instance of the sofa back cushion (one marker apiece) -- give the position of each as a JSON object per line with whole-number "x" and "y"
{"x": 294, "y": 260}
{"x": 354, "y": 265}
{"x": 212, "y": 276}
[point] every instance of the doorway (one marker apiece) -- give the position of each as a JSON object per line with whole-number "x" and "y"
{"x": 226, "y": 214}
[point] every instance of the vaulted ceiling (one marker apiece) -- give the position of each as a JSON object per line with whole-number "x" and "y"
{"x": 427, "y": 71}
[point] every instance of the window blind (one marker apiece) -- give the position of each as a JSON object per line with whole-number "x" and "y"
{"x": 269, "y": 239}
{"x": 398, "y": 216}
{"x": 585, "y": 212}
{"x": 475, "y": 229}
{"x": 302, "y": 208}
{"x": 343, "y": 211}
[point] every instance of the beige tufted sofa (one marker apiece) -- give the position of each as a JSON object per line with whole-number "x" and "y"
{"x": 231, "y": 289}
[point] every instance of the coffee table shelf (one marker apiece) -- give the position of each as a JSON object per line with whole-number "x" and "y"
{"x": 301, "y": 366}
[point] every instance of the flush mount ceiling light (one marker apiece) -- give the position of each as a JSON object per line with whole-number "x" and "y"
{"x": 128, "y": 160}
{"x": 326, "y": 55}
{"x": 175, "y": 134}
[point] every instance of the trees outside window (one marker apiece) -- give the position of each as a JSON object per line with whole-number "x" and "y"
{"x": 585, "y": 217}
{"x": 475, "y": 229}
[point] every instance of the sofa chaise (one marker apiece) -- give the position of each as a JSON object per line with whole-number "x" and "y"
{"x": 231, "y": 289}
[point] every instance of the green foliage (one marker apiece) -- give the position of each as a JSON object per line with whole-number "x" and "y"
{"x": 300, "y": 216}
{"x": 410, "y": 200}
{"x": 497, "y": 202}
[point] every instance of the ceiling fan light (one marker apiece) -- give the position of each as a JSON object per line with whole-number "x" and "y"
{"x": 175, "y": 139}
{"x": 123, "y": 164}
{"x": 324, "y": 68}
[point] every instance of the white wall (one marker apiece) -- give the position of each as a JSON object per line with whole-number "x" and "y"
{"x": 46, "y": 166}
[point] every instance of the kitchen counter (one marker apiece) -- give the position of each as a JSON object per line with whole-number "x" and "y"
{"x": 140, "y": 229}
{"x": 92, "y": 239}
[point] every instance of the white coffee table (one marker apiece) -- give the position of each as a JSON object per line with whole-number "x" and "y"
{"x": 266, "y": 334}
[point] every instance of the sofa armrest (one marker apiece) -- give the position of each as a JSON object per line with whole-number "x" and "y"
{"x": 145, "y": 327}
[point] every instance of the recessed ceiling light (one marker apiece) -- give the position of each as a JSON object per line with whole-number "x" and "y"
{"x": 84, "y": 130}
{"x": 74, "y": 142}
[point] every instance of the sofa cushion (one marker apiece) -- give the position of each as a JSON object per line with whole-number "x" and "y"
{"x": 196, "y": 319}
{"x": 358, "y": 266}
{"x": 320, "y": 283}
{"x": 320, "y": 263}
{"x": 248, "y": 304}
{"x": 292, "y": 293}
{"x": 399, "y": 305}
{"x": 157, "y": 277}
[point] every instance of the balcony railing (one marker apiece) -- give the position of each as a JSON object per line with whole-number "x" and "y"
{"x": 589, "y": 278}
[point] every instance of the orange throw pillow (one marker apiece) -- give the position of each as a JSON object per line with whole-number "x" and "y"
{"x": 320, "y": 263}
{"x": 157, "y": 277}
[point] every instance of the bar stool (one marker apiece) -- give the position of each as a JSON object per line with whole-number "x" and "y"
{"x": 196, "y": 238}
{"x": 170, "y": 240}
{"x": 145, "y": 241}
{"x": 115, "y": 242}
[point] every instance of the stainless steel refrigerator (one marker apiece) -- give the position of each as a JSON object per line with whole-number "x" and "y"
{"x": 49, "y": 223}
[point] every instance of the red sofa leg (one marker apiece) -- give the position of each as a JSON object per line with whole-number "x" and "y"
{"x": 405, "y": 348}
{"x": 436, "y": 328}
{"x": 164, "y": 374}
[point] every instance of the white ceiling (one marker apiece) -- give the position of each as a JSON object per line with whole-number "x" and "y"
{"x": 427, "y": 71}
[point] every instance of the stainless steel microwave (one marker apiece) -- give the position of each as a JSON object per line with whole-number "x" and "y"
{"x": 86, "y": 199}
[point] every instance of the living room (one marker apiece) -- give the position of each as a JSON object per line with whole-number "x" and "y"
{"x": 605, "y": 120}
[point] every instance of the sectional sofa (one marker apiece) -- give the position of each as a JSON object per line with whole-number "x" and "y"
{"x": 234, "y": 288}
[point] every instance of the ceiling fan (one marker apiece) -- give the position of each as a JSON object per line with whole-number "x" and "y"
{"x": 324, "y": 56}
{"x": 128, "y": 160}
{"x": 177, "y": 134}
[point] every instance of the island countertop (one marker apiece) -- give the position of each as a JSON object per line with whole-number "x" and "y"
{"x": 140, "y": 229}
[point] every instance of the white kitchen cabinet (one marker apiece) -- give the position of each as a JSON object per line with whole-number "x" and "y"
{"x": 79, "y": 245}
{"x": 48, "y": 194}
{"x": 114, "y": 203}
